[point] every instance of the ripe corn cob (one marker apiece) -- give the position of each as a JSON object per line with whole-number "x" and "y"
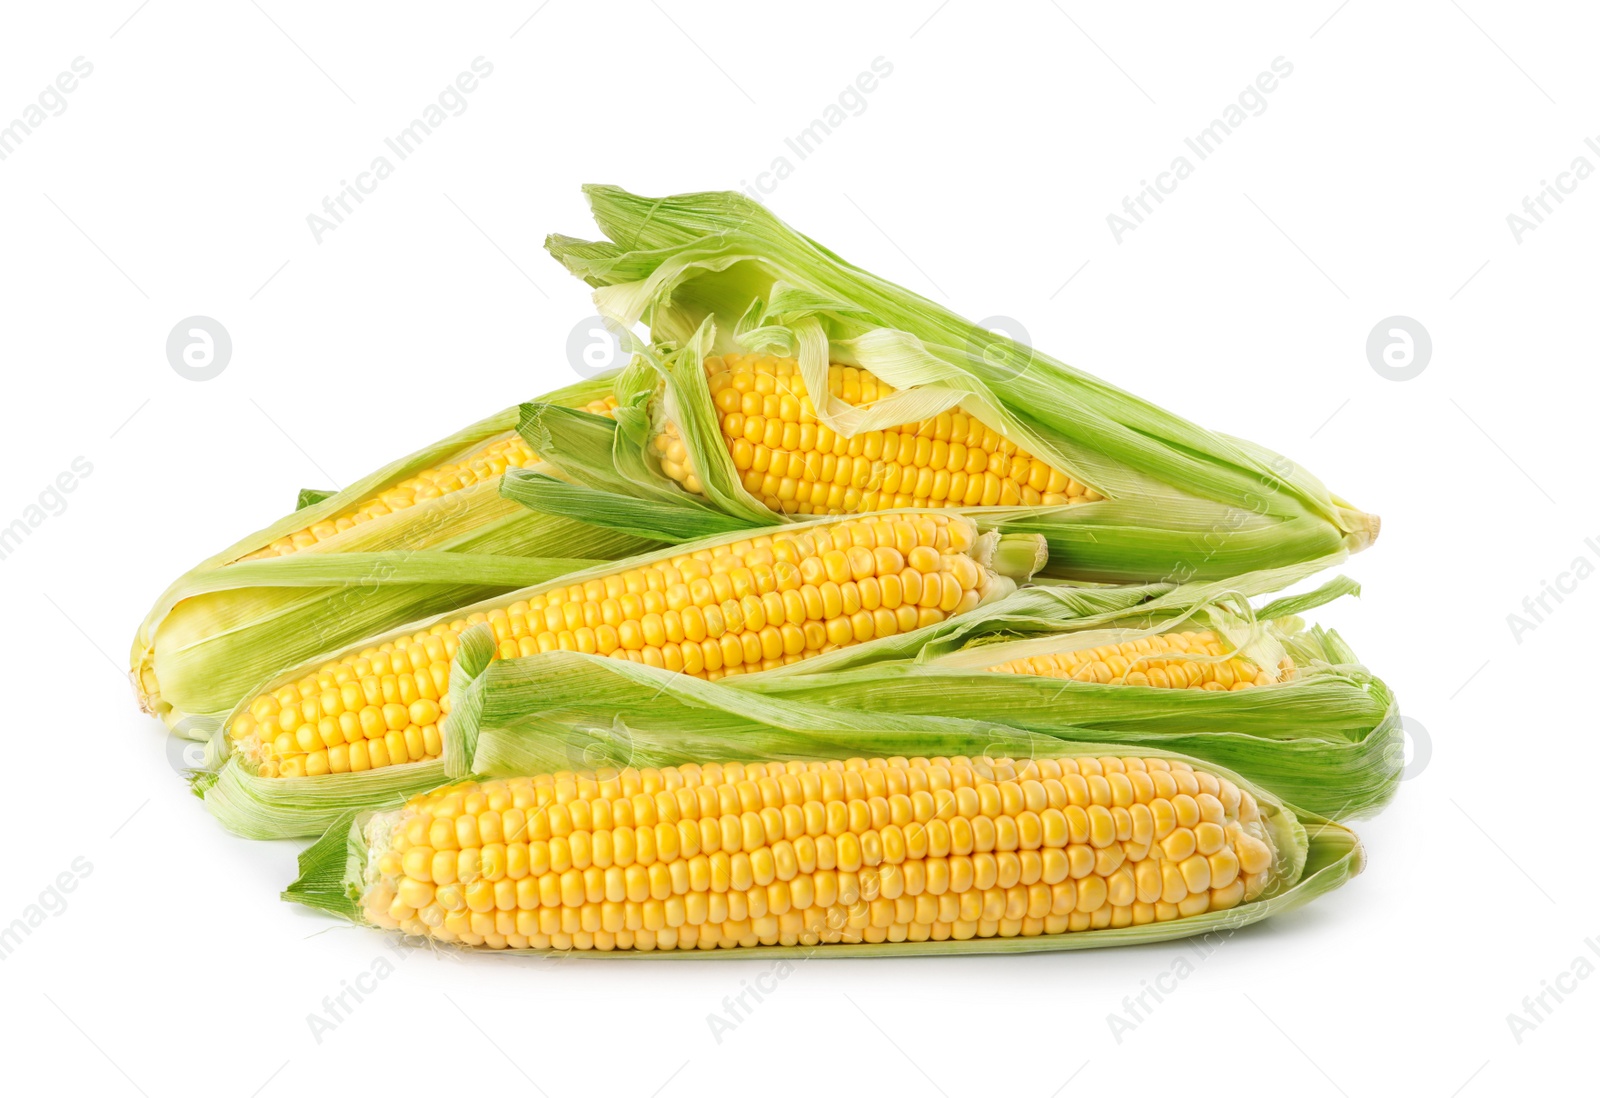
{"x": 508, "y": 451}
{"x": 812, "y": 853}
{"x": 890, "y": 371}
{"x": 749, "y": 605}
{"x": 1328, "y": 738}
{"x": 1162, "y": 660}
{"x": 421, "y": 535}
{"x": 793, "y": 463}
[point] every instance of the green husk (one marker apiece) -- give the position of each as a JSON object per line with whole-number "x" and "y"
{"x": 339, "y": 856}
{"x": 1315, "y": 855}
{"x": 266, "y": 808}
{"x": 223, "y": 627}
{"x": 1329, "y": 740}
{"x": 716, "y": 272}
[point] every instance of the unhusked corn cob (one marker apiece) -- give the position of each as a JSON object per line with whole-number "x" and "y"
{"x": 810, "y": 853}
{"x": 507, "y": 452}
{"x": 794, "y": 464}
{"x": 751, "y": 605}
{"x": 1176, "y": 660}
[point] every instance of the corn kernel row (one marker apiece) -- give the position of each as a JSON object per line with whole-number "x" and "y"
{"x": 1158, "y": 660}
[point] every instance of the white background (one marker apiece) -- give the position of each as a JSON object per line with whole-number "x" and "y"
{"x": 1377, "y": 182}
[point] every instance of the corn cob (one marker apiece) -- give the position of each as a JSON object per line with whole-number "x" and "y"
{"x": 1326, "y": 736}
{"x": 794, "y": 464}
{"x": 788, "y": 380}
{"x": 749, "y": 605}
{"x": 508, "y": 451}
{"x": 1195, "y": 660}
{"x": 418, "y": 536}
{"x": 817, "y": 853}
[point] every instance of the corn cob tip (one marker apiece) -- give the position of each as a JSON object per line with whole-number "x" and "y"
{"x": 1361, "y": 528}
{"x": 1364, "y": 532}
{"x": 1357, "y": 849}
{"x": 146, "y": 699}
{"x": 147, "y": 691}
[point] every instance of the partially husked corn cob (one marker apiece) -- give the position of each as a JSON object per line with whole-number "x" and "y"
{"x": 812, "y": 853}
{"x": 401, "y": 544}
{"x": 487, "y": 463}
{"x": 751, "y": 605}
{"x": 1196, "y": 660}
{"x": 793, "y": 463}
{"x": 717, "y": 271}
